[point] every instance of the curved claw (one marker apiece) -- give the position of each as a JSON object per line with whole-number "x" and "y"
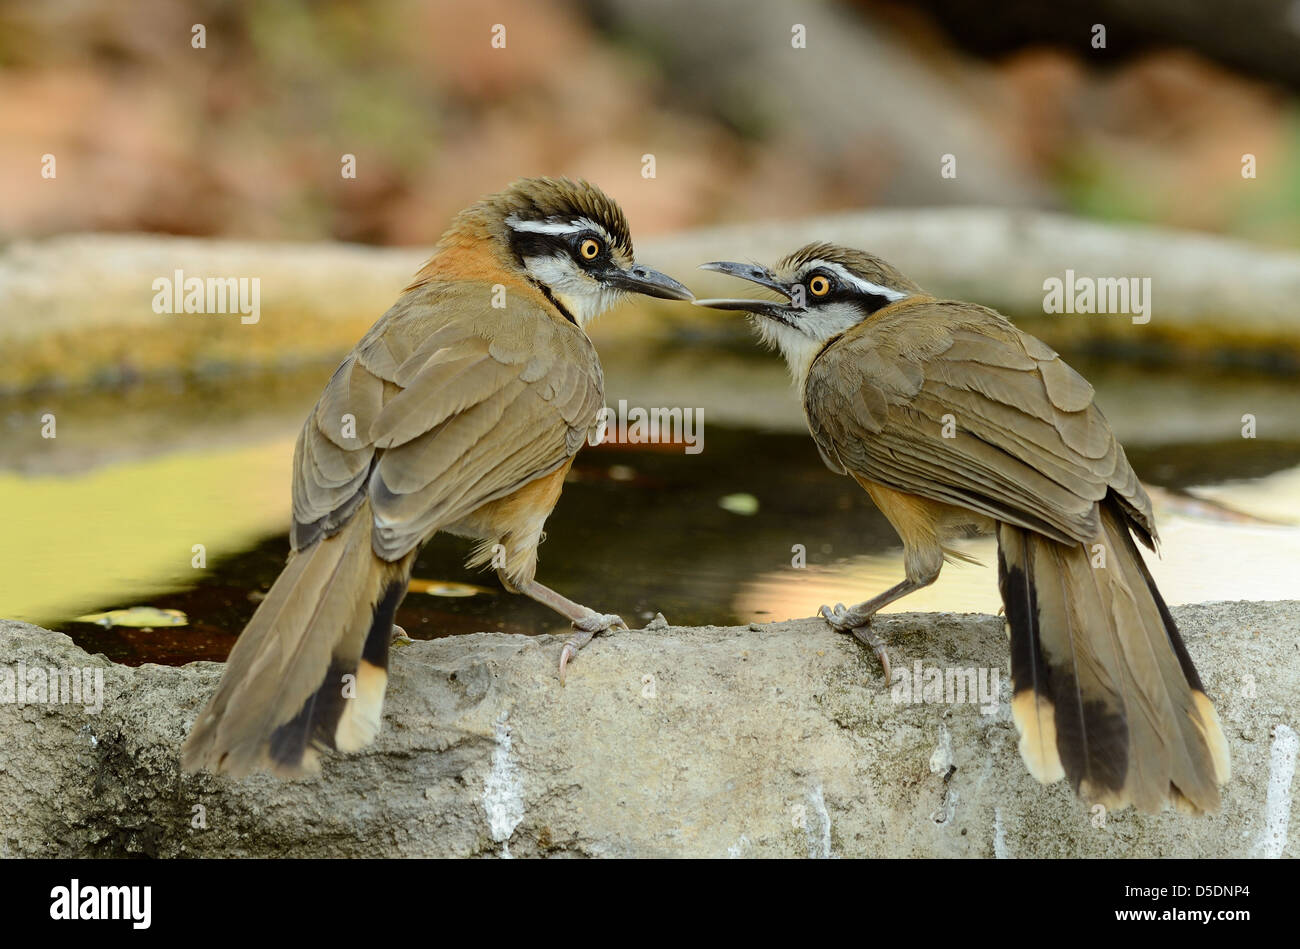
{"x": 864, "y": 635}
{"x": 568, "y": 652}
{"x": 834, "y": 617}
{"x": 842, "y": 620}
{"x": 587, "y": 627}
{"x": 883, "y": 657}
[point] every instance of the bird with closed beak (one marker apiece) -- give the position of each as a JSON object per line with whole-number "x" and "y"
{"x": 956, "y": 424}
{"x": 460, "y": 410}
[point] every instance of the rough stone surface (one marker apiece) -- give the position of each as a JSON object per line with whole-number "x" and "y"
{"x": 1212, "y": 294}
{"x": 768, "y": 740}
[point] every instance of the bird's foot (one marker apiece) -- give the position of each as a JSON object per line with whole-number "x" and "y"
{"x": 841, "y": 619}
{"x": 584, "y": 629}
{"x": 399, "y": 637}
{"x": 846, "y": 621}
{"x": 868, "y": 637}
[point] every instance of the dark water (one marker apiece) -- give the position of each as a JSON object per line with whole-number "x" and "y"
{"x": 638, "y": 530}
{"x": 104, "y": 516}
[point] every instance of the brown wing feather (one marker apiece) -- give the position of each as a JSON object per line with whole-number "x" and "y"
{"x": 1030, "y": 446}
{"x": 453, "y": 403}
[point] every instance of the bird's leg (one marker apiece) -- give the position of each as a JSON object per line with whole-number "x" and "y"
{"x": 857, "y": 620}
{"x": 844, "y": 619}
{"x": 586, "y": 622}
{"x": 922, "y": 560}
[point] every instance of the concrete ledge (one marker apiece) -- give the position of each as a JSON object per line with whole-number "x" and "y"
{"x": 77, "y": 309}
{"x": 779, "y": 740}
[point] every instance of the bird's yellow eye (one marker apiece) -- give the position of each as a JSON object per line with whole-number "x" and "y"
{"x": 819, "y": 286}
{"x": 589, "y": 249}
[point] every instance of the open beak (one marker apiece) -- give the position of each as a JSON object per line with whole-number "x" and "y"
{"x": 775, "y": 309}
{"x": 651, "y": 283}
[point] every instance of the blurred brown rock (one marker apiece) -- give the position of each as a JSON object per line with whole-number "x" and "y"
{"x": 244, "y": 138}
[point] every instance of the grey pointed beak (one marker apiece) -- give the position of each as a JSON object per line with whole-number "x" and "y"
{"x": 775, "y": 309}
{"x": 751, "y": 272}
{"x": 650, "y": 283}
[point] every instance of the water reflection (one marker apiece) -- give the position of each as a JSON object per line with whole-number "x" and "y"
{"x": 113, "y": 514}
{"x": 636, "y": 531}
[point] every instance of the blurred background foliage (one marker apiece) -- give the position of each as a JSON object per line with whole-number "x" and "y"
{"x": 244, "y": 138}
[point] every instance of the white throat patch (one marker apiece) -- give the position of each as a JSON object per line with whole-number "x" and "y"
{"x": 573, "y": 288}
{"x": 796, "y": 346}
{"x": 801, "y": 346}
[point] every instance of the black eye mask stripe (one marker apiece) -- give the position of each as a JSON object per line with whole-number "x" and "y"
{"x": 868, "y": 303}
{"x": 525, "y": 244}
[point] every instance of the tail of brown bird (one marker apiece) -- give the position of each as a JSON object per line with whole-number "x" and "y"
{"x": 310, "y": 670}
{"x": 1104, "y": 691}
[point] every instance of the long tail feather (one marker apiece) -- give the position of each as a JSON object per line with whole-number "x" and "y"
{"x": 310, "y": 670}
{"x": 1104, "y": 692}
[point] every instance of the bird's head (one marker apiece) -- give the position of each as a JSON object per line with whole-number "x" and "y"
{"x": 826, "y": 291}
{"x": 569, "y": 239}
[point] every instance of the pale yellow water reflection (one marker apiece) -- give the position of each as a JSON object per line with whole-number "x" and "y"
{"x": 1205, "y": 555}
{"x": 121, "y": 534}
{"x": 73, "y": 543}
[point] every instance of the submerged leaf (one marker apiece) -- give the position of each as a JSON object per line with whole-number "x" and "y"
{"x": 745, "y": 504}
{"x": 137, "y": 617}
{"x": 445, "y": 588}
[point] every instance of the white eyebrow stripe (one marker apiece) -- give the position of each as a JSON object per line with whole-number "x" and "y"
{"x": 553, "y": 227}
{"x": 865, "y": 286}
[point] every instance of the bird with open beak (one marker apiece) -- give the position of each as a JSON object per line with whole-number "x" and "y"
{"x": 956, "y": 424}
